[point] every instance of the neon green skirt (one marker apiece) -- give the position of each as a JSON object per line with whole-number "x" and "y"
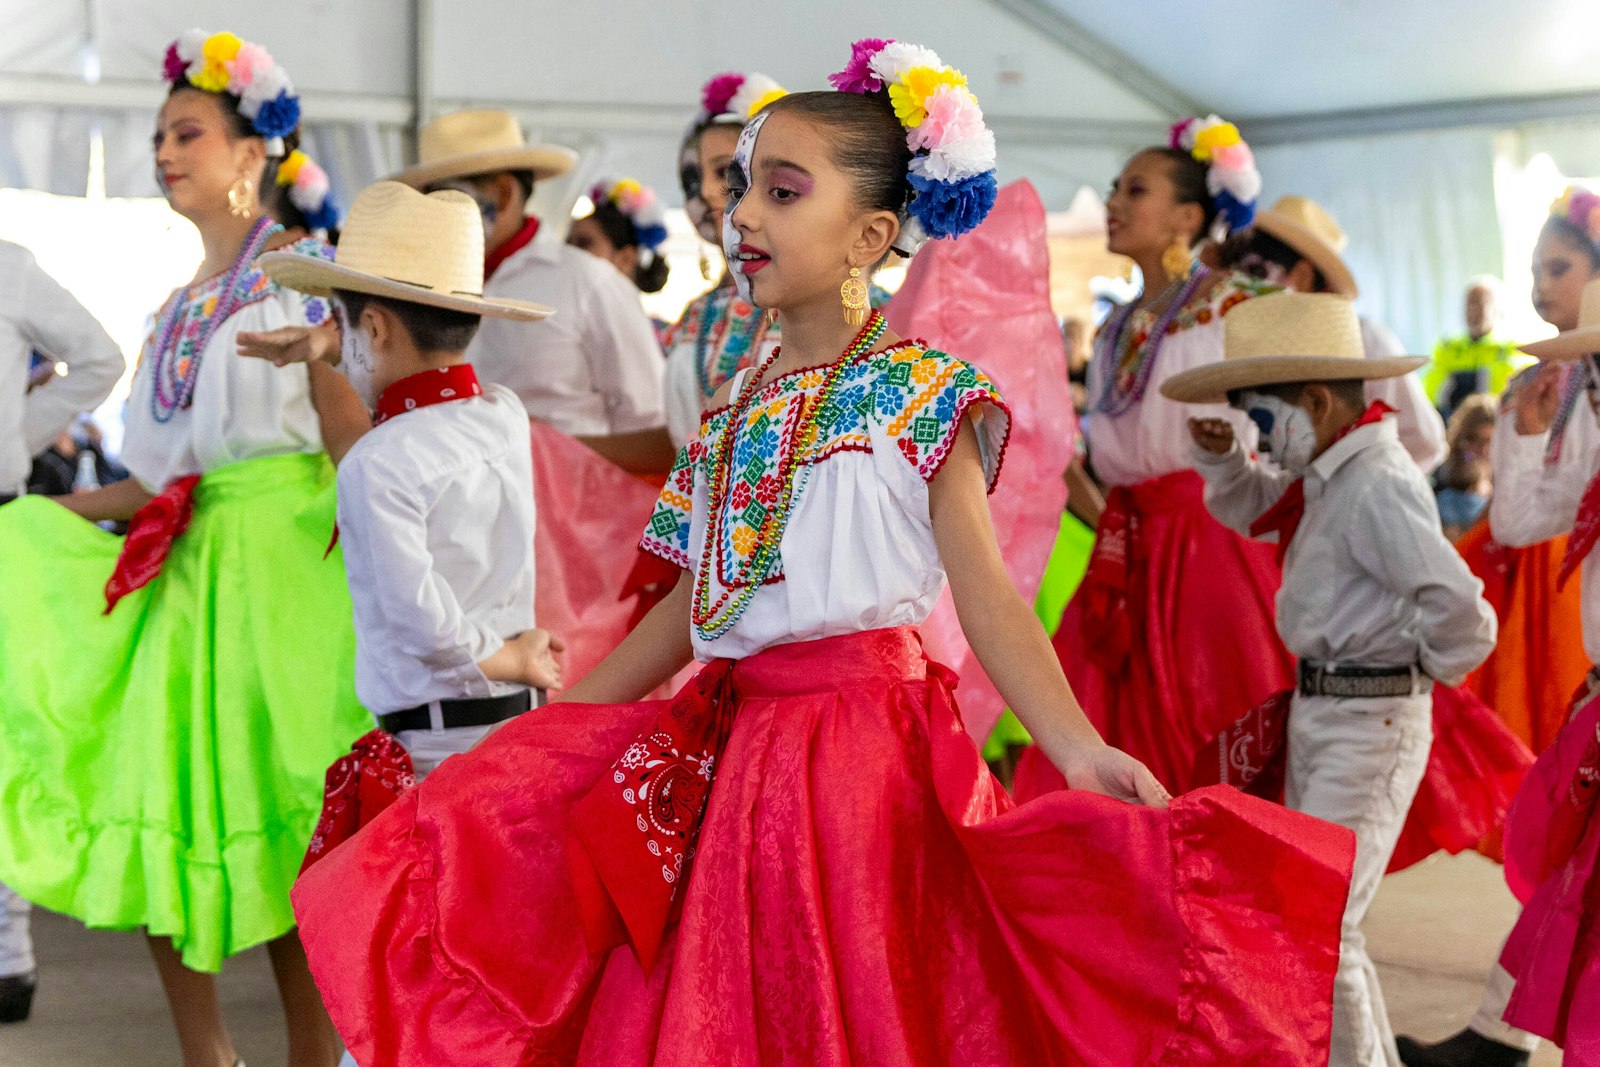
{"x": 162, "y": 767}
{"x": 1069, "y": 559}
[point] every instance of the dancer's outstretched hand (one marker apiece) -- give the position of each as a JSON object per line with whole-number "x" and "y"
{"x": 1213, "y": 435}
{"x": 292, "y": 344}
{"x": 1112, "y": 772}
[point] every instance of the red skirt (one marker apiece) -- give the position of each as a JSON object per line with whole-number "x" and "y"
{"x": 861, "y": 891}
{"x": 1553, "y": 863}
{"x": 1172, "y": 633}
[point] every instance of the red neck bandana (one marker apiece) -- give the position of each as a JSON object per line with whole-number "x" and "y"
{"x": 1283, "y": 518}
{"x": 516, "y": 243}
{"x": 456, "y": 382}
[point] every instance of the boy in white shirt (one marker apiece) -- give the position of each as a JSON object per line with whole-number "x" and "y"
{"x": 436, "y": 511}
{"x": 1375, "y": 603}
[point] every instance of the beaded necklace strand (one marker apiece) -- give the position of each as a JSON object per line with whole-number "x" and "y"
{"x": 712, "y": 620}
{"x": 174, "y": 377}
{"x": 1116, "y": 398}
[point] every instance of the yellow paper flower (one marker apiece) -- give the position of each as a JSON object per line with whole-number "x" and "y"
{"x": 289, "y": 169}
{"x": 1212, "y": 138}
{"x": 910, "y": 94}
{"x": 211, "y": 73}
{"x": 763, "y": 100}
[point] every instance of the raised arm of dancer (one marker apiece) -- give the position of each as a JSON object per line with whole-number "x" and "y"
{"x": 341, "y": 412}
{"x": 1239, "y": 488}
{"x": 1535, "y": 500}
{"x": 658, "y": 648}
{"x": 1011, "y": 644}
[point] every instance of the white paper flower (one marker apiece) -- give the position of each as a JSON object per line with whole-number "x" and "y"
{"x": 754, "y": 88}
{"x": 265, "y": 86}
{"x": 191, "y": 43}
{"x": 897, "y": 57}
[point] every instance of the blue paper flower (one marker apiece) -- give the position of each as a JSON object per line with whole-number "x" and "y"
{"x": 652, "y": 236}
{"x": 949, "y": 209}
{"x": 1238, "y": 215}
{"x": 278, "y": 117}
{"x": 325, "y": 217}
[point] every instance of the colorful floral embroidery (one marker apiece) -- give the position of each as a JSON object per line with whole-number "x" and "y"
{"x": 914, "y": 395}
{"x": 727, "y": 333}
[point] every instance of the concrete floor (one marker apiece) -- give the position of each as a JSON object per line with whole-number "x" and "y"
{"x": 1434, "y": 931}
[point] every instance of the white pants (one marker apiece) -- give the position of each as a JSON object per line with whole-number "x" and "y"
{"x": 1358, "y": 763}
{"x": 16, "y": 944}
{"x": 428, "y": 749}
{"x": 1488, "y": 1022}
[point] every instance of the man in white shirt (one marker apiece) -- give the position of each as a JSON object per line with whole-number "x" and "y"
{"x": 595, "y": 370}
{"x": 1296, "y": 244}
{"x": 1375, "y": 603}
{"x": 38, "y": 315}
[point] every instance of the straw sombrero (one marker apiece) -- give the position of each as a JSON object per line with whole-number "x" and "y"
{"x": 1282, "y": 338}
{"x": 404, "y": 245}
{"x": 1576, "y": 343}
{"x": 1307, "y": 228}
{"x": 470, "y": 143}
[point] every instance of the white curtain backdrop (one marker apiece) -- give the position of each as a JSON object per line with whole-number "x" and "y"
{"x": 1420, "y": 213}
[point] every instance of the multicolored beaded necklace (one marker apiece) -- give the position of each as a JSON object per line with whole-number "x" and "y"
{"x": 712, "y": 620}
{"x": 736, "y": 343}
{"x": 1128, "y": 373}
{"x": 174, "y": 375}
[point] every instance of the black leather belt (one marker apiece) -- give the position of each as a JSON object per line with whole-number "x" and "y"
{"x": 459, "y": 713}
{"x": 1342, "y": 680}
{"x": 6, "y": 498}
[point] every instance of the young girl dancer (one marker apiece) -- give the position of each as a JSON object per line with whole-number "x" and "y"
{"x": 802, "y": 859}
{"x": 173, "y": 700}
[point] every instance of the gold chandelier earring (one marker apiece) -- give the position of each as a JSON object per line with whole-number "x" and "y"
{"x": 853, "y": 294}
{"x": 1178, "y": 260}
{"x": 240, "y": 194}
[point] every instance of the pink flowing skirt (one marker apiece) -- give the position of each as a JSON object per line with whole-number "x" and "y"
{"x": 863, "y": 892}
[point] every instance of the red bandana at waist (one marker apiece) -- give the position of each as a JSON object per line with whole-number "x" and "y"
{"x": 1283, "y": 518}
{"x": 456, "y": 382}
{"x": 358, "y": 788}
{"x": 634, "y": 833}
{"x": 152, "y": 532}
{"x": 514, "y": 244}
{"x": 1585, "y": 532}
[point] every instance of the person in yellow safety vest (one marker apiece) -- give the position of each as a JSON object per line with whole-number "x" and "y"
{"x": 1479, "y": 361}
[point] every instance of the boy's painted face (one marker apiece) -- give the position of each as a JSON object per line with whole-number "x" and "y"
{"x": 1287, "y": 436}
{"x": 789, "y": 226}
{"x": 355, "y": 355}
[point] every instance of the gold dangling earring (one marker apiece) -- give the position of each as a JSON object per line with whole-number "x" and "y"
{"x": 705, "y": 264}
{"x": 853, "y": 293}
{"x": 1177, "y": 260}
{"x": 239, "y": 198}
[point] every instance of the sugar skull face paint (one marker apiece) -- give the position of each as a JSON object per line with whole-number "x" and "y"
{"x": 1287, "y": 435}
{"x": 742, "y": 262}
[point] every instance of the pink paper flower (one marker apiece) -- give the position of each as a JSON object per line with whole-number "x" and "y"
{"x": 251, "y": 61}
{"x": 173, "y": 66}
{"x": 1233, "y": 157}
{"x": 857, "y": 76}
{"x": 719, "y": 91}
{"x": 952, "y": 115}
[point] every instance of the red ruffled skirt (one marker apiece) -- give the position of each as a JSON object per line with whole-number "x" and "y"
{"x": 862, "y": 891}
{"x": 1172, "y": 633}
{"x": 1552, "y": 849}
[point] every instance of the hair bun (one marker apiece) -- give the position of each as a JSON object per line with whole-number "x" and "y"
{"x": 951, "y": 174}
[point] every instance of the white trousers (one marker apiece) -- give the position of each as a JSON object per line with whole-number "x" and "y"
{"x": 428, "y": 749}
{"x": 1488, "y": 1022}
{"x": 16, "y": 943}
{"x": 1358, "y": 763}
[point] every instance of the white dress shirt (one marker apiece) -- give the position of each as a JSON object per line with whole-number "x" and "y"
{"x": 1419, "y": 423}
{"x": 1369, "y": 579}
{"x": 436, "y": 517}
{"x": 594, "y": 367}
{"x": 1536, "y": 495}
{"x": 37, "y": 313}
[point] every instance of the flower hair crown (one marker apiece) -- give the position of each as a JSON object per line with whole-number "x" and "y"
{"x": 1231, "y": 174}
{"x": 1581, "y": 208}
{"x": 952, "y": 152}
{"x": 223, "y": 63}
{"x": 736, "y": 97}
{"x": 309, "y": 190}
{"x": 638, "y": 205}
